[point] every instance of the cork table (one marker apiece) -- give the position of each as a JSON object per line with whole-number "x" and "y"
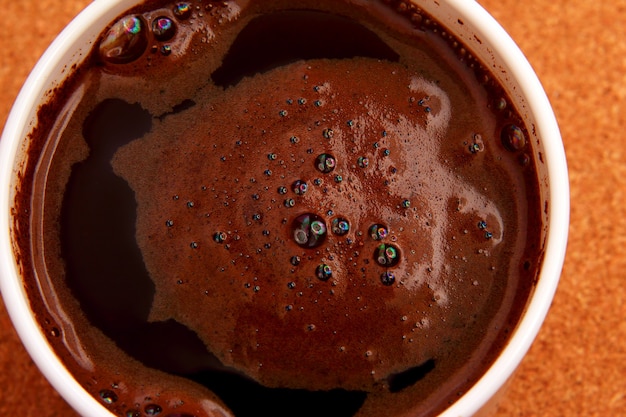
{"x": 577, "y": 365}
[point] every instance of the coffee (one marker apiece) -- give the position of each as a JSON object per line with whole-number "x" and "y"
{"x": 269, "y": 207}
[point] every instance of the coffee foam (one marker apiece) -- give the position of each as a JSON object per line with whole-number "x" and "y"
{"x": 214, "y": 180}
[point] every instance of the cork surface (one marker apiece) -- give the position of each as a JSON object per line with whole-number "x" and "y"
{"x": 577, "y": 365}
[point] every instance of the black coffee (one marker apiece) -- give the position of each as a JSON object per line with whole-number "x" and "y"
{"x": 279, "y": 208}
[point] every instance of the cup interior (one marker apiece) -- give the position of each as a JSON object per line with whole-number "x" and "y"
{"x": 481, "y": 34}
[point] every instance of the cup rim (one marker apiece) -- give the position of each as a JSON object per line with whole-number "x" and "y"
{"x": 503, "y": 47}
{"x": 508, "y": 53}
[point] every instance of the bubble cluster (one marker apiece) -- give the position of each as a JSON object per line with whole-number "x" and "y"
{"x": 309, "y": 230}
{"x": 482, "y": 225}
{"x": 477, "y": 145}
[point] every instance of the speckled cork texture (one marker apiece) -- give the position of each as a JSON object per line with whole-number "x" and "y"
{"x": 577, "y": 365}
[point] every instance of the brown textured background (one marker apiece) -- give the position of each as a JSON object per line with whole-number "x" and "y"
{"x": 577, "y": 365}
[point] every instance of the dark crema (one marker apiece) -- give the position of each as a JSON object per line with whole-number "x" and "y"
{"x": 247, "y": 207}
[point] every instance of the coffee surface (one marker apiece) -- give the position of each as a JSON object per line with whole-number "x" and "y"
{"x": 266, "y": 207}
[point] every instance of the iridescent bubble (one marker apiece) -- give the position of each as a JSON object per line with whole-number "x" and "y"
{"x": 387, "y": 278}
{"x": 152, "y": 409}
{"x": 363, "y": 162}
{"x": 166, "y": 50}
{"x": 524, "y": 159}
{"x": 219, "y": 237}
{"x": 378, "y": 232}
{"x": 325, "y": 163}
{"x": 108, "y": 396}
{"x": 477, "y": 144}
{"x": 340, "y": 226}
{"x": 299, "y": 187}
{"x": 387, "y": 255}
{"x": 309, "y": 230}
{"x": 125, "y": 42}
{"x": 163, "y": 28}
{"x": 323, "y": 272}
{"x": 295, "y": 260}
{"x": 282, "y": 190}
{"x": 328, "y": 133}
{"x": 513, "y": 138}
{"x": 406, "y": 203}
{"x": 500, "y": 103}
{"x": 290, "y": 202}
{"x": 182, "y": 10}
{"x": 132, "y": 413}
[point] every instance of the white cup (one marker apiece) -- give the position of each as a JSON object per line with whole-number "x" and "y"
{"x": 483, "y": 36}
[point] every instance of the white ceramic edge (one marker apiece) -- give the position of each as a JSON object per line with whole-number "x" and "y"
{"x": 97, "y": 15}
{"x": 538, "y": 106}
{"x": 47, "y": 73}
